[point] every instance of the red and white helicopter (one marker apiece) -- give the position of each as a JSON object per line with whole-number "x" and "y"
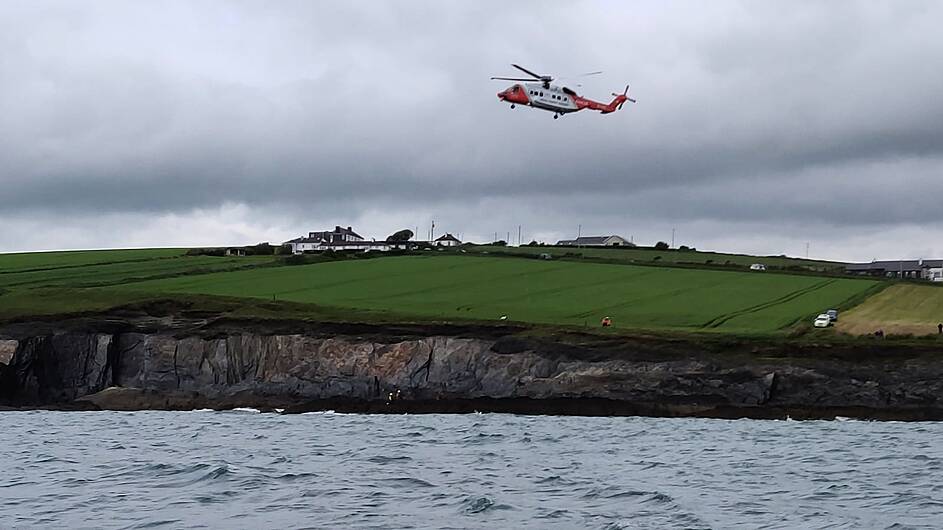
{"x": 556, "y": 99}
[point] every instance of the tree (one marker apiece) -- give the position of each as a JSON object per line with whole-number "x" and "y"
{"x": 661, "y": 245}
{"x": 401, "y": 236}
{"x": 500, "y": 243}
{"x": 262, "y": 249}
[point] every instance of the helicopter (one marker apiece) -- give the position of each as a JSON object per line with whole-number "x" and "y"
{"x": 540, "y": 94}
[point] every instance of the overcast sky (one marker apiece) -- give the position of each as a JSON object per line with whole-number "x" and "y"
{"x": 759, "y": 128}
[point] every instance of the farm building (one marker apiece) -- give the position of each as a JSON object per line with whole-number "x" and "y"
{"x": 596, "y": 241}
{"x": 919, "y": 269}
{"x": 448, "y": 240}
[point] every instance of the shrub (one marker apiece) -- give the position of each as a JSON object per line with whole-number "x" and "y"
{"x": 661, "y": 245}
{"x": 296, "y": 259}
{"x": 206, "y": 252}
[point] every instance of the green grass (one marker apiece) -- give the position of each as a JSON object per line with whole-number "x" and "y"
{"x": 50, "y": 283}
{"x": 432, "y": 286}
{"x": 79, "y": 258}
{"x": 546, "y": 292}
{"x": 673, "y": 257}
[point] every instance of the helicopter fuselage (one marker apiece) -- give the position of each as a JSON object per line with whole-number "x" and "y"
{"x": 554, "y": 98}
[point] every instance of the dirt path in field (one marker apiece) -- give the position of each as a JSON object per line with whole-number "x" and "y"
{"x": 722, "y": 319}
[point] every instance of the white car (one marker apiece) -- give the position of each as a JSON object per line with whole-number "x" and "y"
{"x": 822, "y": 321}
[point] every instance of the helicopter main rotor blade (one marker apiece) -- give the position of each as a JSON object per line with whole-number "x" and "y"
{"x": 528, "y": 72}
{"x": 513, "y": 78}
{"x": 578, "y": 76}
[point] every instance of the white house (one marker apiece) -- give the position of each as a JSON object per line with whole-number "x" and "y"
{"x": 448, "y": 240}
{"x": 338, "y": 239}
{"x": 596, "y": 241}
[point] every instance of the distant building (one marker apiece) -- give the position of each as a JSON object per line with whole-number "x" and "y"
{"x": 235, "y": 251}
{"x": 448, "y": 240}
{"x": 917, "y": 269}
{"x": 338, "y": 239}
{"x": 596, "y": 241}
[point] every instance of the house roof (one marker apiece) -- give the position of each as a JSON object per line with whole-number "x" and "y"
{"x": 356, "y": 244}
{"x": 304, "y": 240}
{"x": 319, "y": 237}
{"x": 895, "y": 265}
{"x": 588, "y": 240}
{"x": 448, "y": 237}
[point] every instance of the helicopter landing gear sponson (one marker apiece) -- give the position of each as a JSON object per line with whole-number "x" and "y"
{"x": 512, "y": 105}
{"x": 555, "y": 116}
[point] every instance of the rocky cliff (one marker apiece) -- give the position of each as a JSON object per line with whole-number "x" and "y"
{"x": 169, "y": 364}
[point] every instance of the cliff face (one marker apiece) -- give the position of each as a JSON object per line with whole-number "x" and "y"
{"x": 133, "y": 368}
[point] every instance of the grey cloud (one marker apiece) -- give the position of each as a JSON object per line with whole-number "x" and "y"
{"x": 744, "y": 108}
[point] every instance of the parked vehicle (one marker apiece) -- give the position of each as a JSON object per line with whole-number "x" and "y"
{"x": 832, "y": 315}
{"x": 822, "y": 321}
{"x": 758, "y": 267}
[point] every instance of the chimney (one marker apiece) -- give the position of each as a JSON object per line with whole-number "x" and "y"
{"x": 349, "y": 229}
{"x": 337, "y": 228}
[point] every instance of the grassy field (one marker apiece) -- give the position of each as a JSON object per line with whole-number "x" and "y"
{"x": 45, "y": 283}
{"x": 899, "y": 309}
{"x": 79, "y": 258}
{"x": 453, "y": 287}
{"x": 551, "y": 292}
{"x": 675, "y": 257}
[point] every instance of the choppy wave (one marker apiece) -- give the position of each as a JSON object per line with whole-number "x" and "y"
{"x": 325, "y": 470}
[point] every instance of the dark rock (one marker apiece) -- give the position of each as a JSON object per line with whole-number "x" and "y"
{"x": 130, "y": 365}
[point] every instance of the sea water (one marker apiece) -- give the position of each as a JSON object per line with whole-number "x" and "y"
{"x": 244, "y": 469}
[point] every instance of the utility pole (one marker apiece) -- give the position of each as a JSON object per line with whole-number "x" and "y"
{"x": 806, "y": 250}
{"x": 495, "y": 237}
{"x": 672, "y": 238}
{"x": 579, "y": 233}
{"x": 518, "y": 235}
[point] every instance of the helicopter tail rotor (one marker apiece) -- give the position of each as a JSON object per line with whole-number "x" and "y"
{"x": 625, "y": 97}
